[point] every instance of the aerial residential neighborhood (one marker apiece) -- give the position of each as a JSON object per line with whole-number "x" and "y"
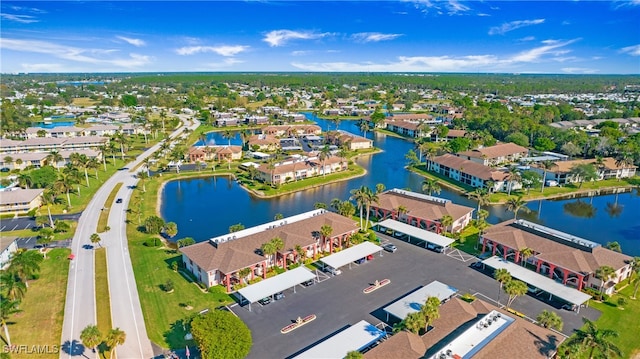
{"x": 295, "y": 180}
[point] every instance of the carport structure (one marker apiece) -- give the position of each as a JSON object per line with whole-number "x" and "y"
{"x": 539, "y": 281}
{"x": 412, "y": 303}
{"x": 350, "y": 255}
{"x": 355, "y": 338}
{"x": 415, "y": 232}
{"x": 273, "y": 285}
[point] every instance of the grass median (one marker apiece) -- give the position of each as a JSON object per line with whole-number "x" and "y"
{"x": 103, "y": 298}
{"x": 40, "y": 322}
{"x": 104, "y": 214}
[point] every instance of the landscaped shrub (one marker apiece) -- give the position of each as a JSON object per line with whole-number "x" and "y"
{"x": 468, "y": 297}
{"x": 151, "y": 242}
{"x": 168, "y": 285}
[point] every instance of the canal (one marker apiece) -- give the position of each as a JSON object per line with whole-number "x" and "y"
{"x": 206, "y": 207}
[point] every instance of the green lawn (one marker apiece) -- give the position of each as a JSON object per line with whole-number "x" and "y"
{"x": 40, "y": 322}
{"x": 624, "y": 321}
{"x": 103, "y": 301}
{"x": 164, "y": 312}
{"x": 442, "y": 180}
{"x": 104, "y": 215}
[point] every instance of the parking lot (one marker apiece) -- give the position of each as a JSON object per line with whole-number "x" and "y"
{"x": 338, "y": 301}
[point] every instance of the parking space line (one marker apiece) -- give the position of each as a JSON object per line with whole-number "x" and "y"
{"x": 27, "y": 226}
{"x": 2, "y": 229}
{"x": 14, "y": 228}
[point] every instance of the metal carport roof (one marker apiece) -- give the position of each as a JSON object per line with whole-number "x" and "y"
{"x": 273, "y": 285}
{"x": 412, "y": 303}
{"x": 416, "y": 232}
{"x": 351, "y": 254}
{"x": 356, "y": 337}
{"x": 539, "y": 281}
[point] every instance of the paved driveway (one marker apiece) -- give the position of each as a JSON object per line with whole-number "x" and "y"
{"x": 339, "y": 301}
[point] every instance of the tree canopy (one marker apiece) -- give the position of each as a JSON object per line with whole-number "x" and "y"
{"x": 221, "y": 335}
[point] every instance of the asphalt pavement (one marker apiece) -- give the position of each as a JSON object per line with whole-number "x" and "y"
{"x": 80, "y": 307}
{"x": 20, "y": 223}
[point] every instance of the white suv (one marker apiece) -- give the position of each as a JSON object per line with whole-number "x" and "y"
{"x": 333, "y": 271}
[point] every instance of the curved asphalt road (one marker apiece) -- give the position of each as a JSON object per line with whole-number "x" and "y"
{"x": 80, "y": 305}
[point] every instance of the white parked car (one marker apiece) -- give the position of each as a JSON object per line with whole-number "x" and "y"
{"x": 333, "y": 271}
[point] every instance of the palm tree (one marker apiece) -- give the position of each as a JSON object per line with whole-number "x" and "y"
{"x": 228, "y": 134}
{"x": 114, "y": 338}
{"x": 143, "y": 176}
{"x": 171, "y": 229}
{"x": 91, "y": 337}
{"x": 514, "y": 288}
{"x": 268, "y": 250}
{"x": 25, "y": 180}
{"x": 431, "y": 185}
{"x": 482, "y": 196}
{"x": 545, "y": 165}
{"x": 514, "y": 204}
{"x": 430, "y": 154}
{"x": 325, "y": 153}
{"x": 325, "y": 232}
{"x": 502, "y": 276}
{"x": 594, "y": 339}
{"x": 614, "y": 246}
{"x": 8, "y": 160}
{"x": 278, "y": 244}
{"x": 414, "y": 322}
{"x": 549, "y": 319}
{"x": 7, "y": 309}
{"x": 300, "y": 253}
{"x": 95, "y": 238}
{"x": 364, "y": 127}
{"x": 53, "y": 158}
{"x": 430, "y": 311}
{"x": 12, "y": 286}
{"x": 446, "y": 221}
{"x": 25, "y": 264}
{"x": 370, "y": 198}
{"x": 635, "y": 268}
{"x": 65, "y": 184}
{"x": 513, "y": 175}
{"x": 243, "y": 273}
{"x": 335, "y": 204}
{"x": 605, "y": 273}
{"x": 525, "y": 253}
{"x": 359, "y": 196}
{"x": 49, "y": 198}
{"x": 380, "y": 187}
{"x": 46, "y": 235}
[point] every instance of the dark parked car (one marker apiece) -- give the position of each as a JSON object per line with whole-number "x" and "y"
{"x": 360, "y": 261}
{"x": 477, "y": 265}
{"x": 278, "y": 296}
{"x": 119, "y": 200}
{"x": 265, "y": 300}
{"x": 5, "y": 169}
{"x": 308, "y": 283}
{"x": 390, "y": 247}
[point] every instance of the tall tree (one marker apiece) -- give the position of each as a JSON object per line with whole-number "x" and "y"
{"x": 430, "y": 186}
{"x": 605, "y": 273}
{"x": 583, "y": 172}
{"x": 325, "y": 232}
{"x": 502, "y": 276}
{"x": 635, "y": 268}
{"x": 545, "y": 165}
{"x": 359, "y": 196}
{"x": 447, "y": 221}
{"x": 114, "y": 338}
{"x": 7, "y": 309}
{"x": 514, "y": 204}
{"x": 91, "y": 337}
{"x": 481, "y": 195}
{"x": 25, "y": 264}
{"x": 12, "y": 286}
{"x": 324, "y": 153}
{"x": 95, "y": 238}
{"x": 514, "y": 288}
{"x": 431, "y": 311}
{"x": 595, "y": 340}
{"x": 525, "y": 253}
{"x": 171, "y": 229}
{"x": 550, "y": 319}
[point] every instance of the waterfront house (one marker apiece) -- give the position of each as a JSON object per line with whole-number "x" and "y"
{"x": 263, "y": 142}
{"x": 20, "y": 201}
{"x": 610, "y": 168}
{"x": 218, "y": 261}
{"x": 41, "y": 144}
{"x": 562, "y": 256}
{"x": 219, "y": 153}
{"x": 471, "y": 173}
{"x": 420, "y": 210}
{"x": 291, "y": 130}
{"x": 353, "y": 142}
{"x": 300, "y": 168}
{"x": 23, "y": 160}
{"x": 495, "y": 155}
{"x": 477, "y": 329}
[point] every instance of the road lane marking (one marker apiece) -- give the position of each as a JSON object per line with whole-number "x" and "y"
{"x": 14, "y": 228}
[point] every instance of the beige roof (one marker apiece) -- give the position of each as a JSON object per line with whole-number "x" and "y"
{"x": 19, "y": 196}
{"x": 473, "y": 168}
{"x": 456, "y": 133}
{"x": 263, "y": 140}
{"x": 86, "y": 139}
{"x": 421, "y": 208}
{"x": 5, "y": 242}
{"x": 403, "y": 124}
{"x": 580, "y": 261}
{"x": 499, "y": 150}
{"x": 411, "y": 116}
{"x": 565, "y": 166}
{"x": 521, "y": 339}
{"x": 308, "y": 164}
{"x": 233, "y": 255}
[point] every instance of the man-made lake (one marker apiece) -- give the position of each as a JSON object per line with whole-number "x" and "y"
{"x": 206, "y": 207}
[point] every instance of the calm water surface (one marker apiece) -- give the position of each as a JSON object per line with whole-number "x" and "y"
{"x": 206, "y": 207}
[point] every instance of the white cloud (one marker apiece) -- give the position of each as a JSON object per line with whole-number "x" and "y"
{"x": 227, "y": 62}
{"x": 301, "y": 52}
{"x": 631, "y": 50}
{"x": 535, "y": 54}
{"x": 550, "y": 51}
{"x": 23, "y": 19}
{"x": 224, "y": 50}
{"x": 131, "y": 41}
{"x": 90, "y": 56}
{"x": 374, "y": 36}
{"x": 510, "y": 26}
{"x": 42, "y": 67}
{"x": 280, "y": 37}
{"x": 450, "y": 7}
{"x": 527, "y": 38}
{"x": 579, "y": 70}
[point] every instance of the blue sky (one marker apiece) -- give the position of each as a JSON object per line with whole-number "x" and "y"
{"x": 565, "y": 37}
